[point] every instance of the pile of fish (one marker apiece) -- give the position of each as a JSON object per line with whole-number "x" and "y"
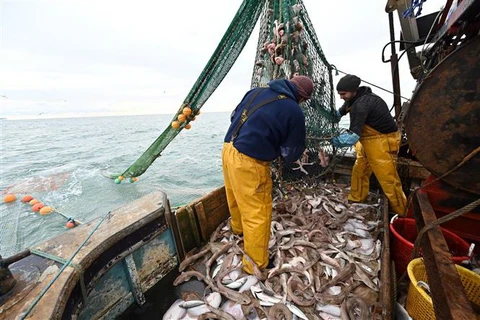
{"x": 326, "y": 262}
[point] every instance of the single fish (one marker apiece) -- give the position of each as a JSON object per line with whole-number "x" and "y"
{"x": 251, "y": 280}
{"x": 330, "y": 309}
{"x": 323, "y": 158}
{"x": 280, "y": 311}
{"x": 191, "y": 304}
{"x": 175, "y": 312}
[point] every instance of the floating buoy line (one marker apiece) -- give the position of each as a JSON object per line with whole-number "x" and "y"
{"x": 41, "y": 208}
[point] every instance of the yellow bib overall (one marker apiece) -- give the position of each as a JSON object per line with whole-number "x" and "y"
{"x": 248, "y": 186}
{"x": 378, "y": 152}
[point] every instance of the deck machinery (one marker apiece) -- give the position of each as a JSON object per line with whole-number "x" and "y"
{"x": 442, "y": 125}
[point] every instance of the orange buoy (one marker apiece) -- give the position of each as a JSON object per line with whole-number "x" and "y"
{"x": 175, "y": 124}
{"x": 33, "y": 201}
{"x": 187, "y": 111}
{"x": 188, "y": 126}
{"x": 71, "y": 224}
{"x": 46, "y": 210}
{"x": 27, "y": 198}
{"x": 120, "y": 178}
{"x": 181, "y": 117}
{"x": 37, "y": 206}
{"x": 9, "y": 198}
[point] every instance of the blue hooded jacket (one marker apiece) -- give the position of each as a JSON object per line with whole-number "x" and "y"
{"x": 277, "y": 128}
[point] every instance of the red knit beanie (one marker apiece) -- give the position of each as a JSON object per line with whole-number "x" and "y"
{"x": 304, "y": 86}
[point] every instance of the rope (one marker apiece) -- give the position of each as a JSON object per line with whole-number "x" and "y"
{"x": 430, "y": 226}
{"x": 67, "y": 217}
{"x": 373, "y": 85}
{"x": 65, "y": 265}
{"x": 467, "y": 158}
{"x": 410, "y": 12}
{"x": 63, "y": 261}
{"x": 54, "y": 258}
{"x": 452, "y": 215}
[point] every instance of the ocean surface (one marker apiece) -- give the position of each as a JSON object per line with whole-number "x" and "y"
{"x": 60, "y": 162}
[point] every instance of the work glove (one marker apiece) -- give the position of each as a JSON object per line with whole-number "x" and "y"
{"x": 337, "y": 116}
{"x": 344, "y": 140}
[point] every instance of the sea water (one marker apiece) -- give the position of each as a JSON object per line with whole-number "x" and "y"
{"x": 60, "y": 162}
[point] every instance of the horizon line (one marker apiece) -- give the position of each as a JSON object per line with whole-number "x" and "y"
{"x": 93, "y": 115}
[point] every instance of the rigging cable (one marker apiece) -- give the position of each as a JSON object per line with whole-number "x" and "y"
{"x": 373, "y": 85}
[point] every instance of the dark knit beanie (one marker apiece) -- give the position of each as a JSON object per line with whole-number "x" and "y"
{"x": 304, "y": 86}
{"x": 348, "y": 83}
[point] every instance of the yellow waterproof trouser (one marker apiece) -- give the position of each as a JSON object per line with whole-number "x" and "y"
{"x": 249, "y": 194}
{"x": 378, "y": 152}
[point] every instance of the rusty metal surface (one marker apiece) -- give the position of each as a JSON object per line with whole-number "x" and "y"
{"x": 443, "y": 122}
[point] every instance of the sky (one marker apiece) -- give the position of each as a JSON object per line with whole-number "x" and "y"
{"x": 69, "y": 58}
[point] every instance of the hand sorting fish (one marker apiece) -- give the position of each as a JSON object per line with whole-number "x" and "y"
{"x": 324, "y": 264}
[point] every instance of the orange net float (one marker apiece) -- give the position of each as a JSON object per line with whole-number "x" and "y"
{"x": 9, "y": 198}
{"x": 45, "y": 210}
{"x": 27, "y": 198}
{"x": 33, "y": 201}
{"x": 181, "y": 117}
{"x": 187, "y": 111}
{"x": 71, "y": 223}
{"x": 37, "y": 206}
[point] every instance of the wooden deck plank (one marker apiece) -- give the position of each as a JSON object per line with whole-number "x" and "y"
{"x": 188, "y": 229}
{"x": 448, "y": 294}
{"x": 386, "y": 292}
{"x": 215, "y": 203}
{"x": 414, "y": 168}
{"x": 49, "y": 306}
{"x": 120, "y": 223}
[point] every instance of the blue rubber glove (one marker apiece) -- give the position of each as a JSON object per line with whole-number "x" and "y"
{"x": 346, "y": 139}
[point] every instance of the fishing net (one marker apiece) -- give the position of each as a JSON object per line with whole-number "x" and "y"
{"x": 287, "y": 46}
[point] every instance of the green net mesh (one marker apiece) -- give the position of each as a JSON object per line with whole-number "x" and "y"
{"x": 287, "y": 45}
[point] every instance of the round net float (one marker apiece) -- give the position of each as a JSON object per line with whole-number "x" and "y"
{"x": 45, "y": 210}
{"x": 37, "y": 206}
{"x": 9, "y": 198}
{"x": 27, "y": 198}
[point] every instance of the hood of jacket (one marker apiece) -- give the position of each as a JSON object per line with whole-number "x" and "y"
{"x": 285, "y": 87}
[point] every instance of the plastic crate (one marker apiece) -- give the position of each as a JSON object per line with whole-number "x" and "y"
{"x": 419, "y": 304}
{"x": 403, "y": 232}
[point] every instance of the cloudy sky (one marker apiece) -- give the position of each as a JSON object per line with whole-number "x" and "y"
{"x": 90, "y": 58}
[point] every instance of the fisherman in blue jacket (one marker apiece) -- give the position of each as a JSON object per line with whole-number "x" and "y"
{"x": 267, "y": 123}
{"x": 376, "y": 138}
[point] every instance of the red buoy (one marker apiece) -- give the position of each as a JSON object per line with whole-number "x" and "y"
{"x": 27, "y": 198}
{"x": 37, "y": 206}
